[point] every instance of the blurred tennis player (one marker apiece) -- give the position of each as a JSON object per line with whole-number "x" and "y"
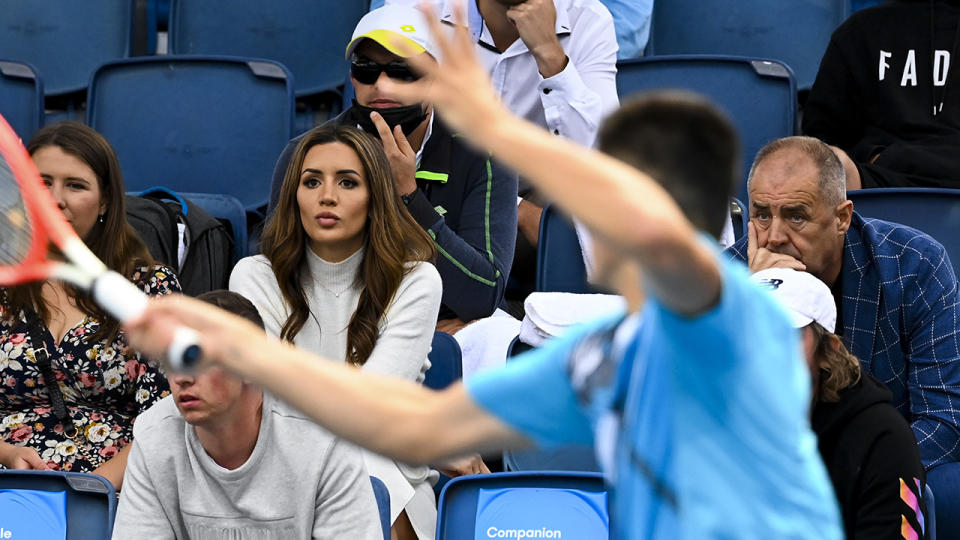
{"x": 702, "y": 428}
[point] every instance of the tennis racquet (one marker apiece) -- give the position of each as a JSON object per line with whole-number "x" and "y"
{"x": 30, "y": 220}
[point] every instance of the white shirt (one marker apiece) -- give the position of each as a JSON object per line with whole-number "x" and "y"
{"x": 299, "y": 482}
{"x": 573, "y": 102}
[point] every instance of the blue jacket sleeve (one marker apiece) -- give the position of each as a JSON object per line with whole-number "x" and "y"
{"x": 474, "y": 261}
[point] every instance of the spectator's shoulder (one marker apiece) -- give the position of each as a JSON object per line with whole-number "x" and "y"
{"x": 289, "y": 420}
{"x": 737, "y": 251}
{"x": 586, "y": 10}
{"x": 864, "y": 23}
{"x": 255, "y": 268}
{"x": 913, "y": 250}
{"x": 421, "y": 273}
{"x": 158, "y": 424}
{"x": 253, "y": 265}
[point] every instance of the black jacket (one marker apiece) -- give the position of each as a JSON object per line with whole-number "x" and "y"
{"x": 467, "y": 203}
{"x": 872, "y": 457}
{"x": 875, "y": 95}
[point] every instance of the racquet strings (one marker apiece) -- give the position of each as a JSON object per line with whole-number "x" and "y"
{"x": 15, "y": 227}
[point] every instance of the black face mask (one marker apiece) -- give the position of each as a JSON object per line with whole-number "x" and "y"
{"x": 408, "y": 117}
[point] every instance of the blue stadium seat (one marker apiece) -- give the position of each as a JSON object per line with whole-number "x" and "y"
{"x": 563, "y": 458}
{"x": 382, "y": 494}
{"x": 195, "y": 124}
{"x": 931, "y": 517}
{"x": 795, "y": 32}
{"x": 935, "y": 211}
{"x": 91, "y": 502}
{"x": 66, "y": 41}
{"x": 307, "y": 36}
{"x": 446, "y": 362}
{"x": 560, "y": 265}
{"x": 229, "y": 208}
{"x": 21, "y": 97}
{"x": 457, "y": 510}
{"x": 944, "y": 481}
{"x": 758, "y": 95}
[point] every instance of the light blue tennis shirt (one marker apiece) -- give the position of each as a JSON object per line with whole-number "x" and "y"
{"x": 701, "y": 423}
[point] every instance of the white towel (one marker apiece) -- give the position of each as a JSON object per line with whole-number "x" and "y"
{"x": 484, "y": 342}
{"x": 551, "y": 314}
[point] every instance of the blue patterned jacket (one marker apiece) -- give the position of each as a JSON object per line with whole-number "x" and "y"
{"x": 901, "y": 318}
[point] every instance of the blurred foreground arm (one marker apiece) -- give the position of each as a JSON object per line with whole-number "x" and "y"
{"x": 393, "y": 417}
{"x": 614, "y": 200}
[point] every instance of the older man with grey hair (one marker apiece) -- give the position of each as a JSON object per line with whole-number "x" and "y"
{"x": 895, "y": 289}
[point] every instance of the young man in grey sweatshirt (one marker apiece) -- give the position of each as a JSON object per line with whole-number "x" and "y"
{"x": 221, "y": 459}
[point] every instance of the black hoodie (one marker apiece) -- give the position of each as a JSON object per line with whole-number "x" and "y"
{"x": 875, "y": 95}
{"x": 872, "y": 457}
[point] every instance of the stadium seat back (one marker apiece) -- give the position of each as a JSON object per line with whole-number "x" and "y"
{"x": 21, "y": 98}
{"x": 226, "y": 208}
{"x": 307, "y": 36}
{"x": 446, "y": 362}
{"x": 461, "y": 505}
{"x": 758, "y": 95}
{"x": 560, "y": 266}
{"x": 91, "y": 502}
{"x": 195, "y": 124}
{"x": 934, "y": 211}
{"x": 795, "y": 32}
{"x": 931, "y": 517}
{"x": 66, "y": 40}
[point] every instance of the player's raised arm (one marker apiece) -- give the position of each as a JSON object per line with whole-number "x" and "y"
{"x": 617, "y": 202}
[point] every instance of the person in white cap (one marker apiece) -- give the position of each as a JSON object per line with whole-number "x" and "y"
{"x": 866, "y": 444}
{"x": 465, "y": 200}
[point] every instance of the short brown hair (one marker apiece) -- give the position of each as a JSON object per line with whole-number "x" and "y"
{"x": 686, "y": 144}
{"x": 234, "y": 303}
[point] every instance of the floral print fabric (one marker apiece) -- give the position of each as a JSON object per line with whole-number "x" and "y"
{"x": 105, "y": 385}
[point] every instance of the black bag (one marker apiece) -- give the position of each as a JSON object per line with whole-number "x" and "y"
{"x": 165, "y": 220}
{"x": 156, "y": 224}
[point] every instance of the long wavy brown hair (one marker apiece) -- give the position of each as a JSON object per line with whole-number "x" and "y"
{"x": 391, "y": 239}
{"x": 839, "y": 368}
{"x": 114, "y": 241}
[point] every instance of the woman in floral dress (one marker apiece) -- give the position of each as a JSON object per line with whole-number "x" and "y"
{"x": 104, "y": 383}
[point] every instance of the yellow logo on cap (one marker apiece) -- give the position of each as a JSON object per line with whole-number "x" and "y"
{"x": 407, "y": 28}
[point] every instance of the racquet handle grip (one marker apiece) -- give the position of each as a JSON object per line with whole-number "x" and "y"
{"x": 124, "y": 301}
{"x": 184, "y": 352}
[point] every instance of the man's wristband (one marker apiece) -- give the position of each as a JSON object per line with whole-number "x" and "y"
{"x": 408, "y": 197}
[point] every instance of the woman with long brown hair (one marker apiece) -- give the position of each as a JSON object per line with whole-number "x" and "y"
{"x": 344, "y": 272}
{"x": 70, "y": 387}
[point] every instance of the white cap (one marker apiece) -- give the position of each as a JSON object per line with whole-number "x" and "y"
{"x": 403, "y": 22}
{"x": 806, "y": 298}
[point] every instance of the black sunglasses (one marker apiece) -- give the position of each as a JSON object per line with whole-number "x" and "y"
{"x": 367, "y": 71}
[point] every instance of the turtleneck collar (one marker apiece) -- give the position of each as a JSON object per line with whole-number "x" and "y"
{"x": 335, "y": 277}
